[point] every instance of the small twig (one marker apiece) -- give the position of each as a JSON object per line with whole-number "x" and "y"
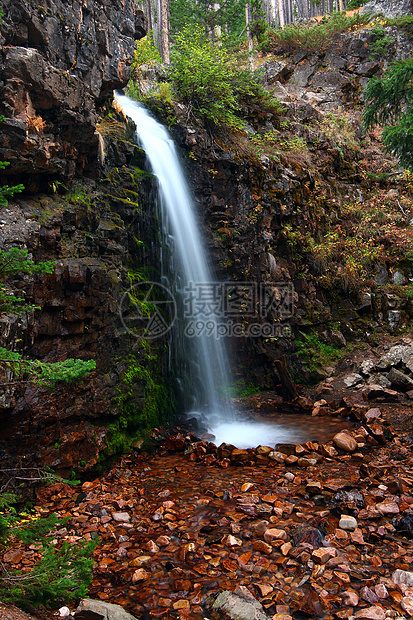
{"x": 402, "y": 210}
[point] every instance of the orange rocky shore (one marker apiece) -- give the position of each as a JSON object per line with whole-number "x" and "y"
{"x": 303, "y": 531}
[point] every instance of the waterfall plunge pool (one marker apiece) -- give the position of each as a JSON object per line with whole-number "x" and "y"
{"x": 251, "y": 430}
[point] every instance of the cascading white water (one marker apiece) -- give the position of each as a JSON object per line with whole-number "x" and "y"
{"x": 211, "y": 356}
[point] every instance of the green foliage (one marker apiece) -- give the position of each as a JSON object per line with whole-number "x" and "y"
{"x": 146, "y": 52}
{"x": 404, "y": 23}
{"x": 6, "y": 191}
{"x": 45, "y": 374}
{"x": 12, "y": 262}
{"x": 355, "y": 4}
{"x": 63, "y": 574}
{"x": 389, "y": 102}
{"x": 381, "y": 44}
{"x": 241, "y": 389}
{"x": 230, "y": 15}
{"x": 316, "y": 353}
{"x": 313, "y": 37}
{"x": 208, "y": 78}
{"x": 142, "y": 401}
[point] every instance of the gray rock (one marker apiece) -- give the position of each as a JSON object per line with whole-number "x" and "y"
{"x": 400, "y": 379}
{"x": 90, "y": 609}
{"x": 379, "y": 379}
{"x": 388, "y": 8}
{"x": 366, "y": 366}
{"x": 398, "y": 354}
{"x": 394, "y": 318}
{"x": 239, "y": 607}
{"x": 352, "y": 380}
{"x": 398, "y": 278}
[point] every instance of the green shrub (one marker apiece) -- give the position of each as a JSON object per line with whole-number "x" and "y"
{"x": 313, "y": 37}
{"x": 211, "y": 80}
{"x": 146, "y": 52}
{"x": 61, "y": 575}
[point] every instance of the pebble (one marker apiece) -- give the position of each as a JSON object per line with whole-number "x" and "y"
{"x": 407, "y": 605}
{"x": 370, "y": 613}
{"x": 402, "y": 576}
{"x": 347, "y": 522}
{"x": 121, "y": 517}
{"x": 350, "y": 598}
{"x": 274, "y": 534}
{"x": 345, "y": 442}
{"x": 323, "y": 554}
{"x": 388, "y": 508}
{"x": 140, "y": 575}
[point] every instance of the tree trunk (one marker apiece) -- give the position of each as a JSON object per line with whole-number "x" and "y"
{"x": 281, "y": 19}
{"x": 165, "y": 31}
{"x": 340, "y": 5}
{"x": 288, "y": 387}
{"x": 248, "y": 22}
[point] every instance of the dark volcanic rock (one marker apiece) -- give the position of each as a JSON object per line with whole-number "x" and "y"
{"x": 58, "y": 63}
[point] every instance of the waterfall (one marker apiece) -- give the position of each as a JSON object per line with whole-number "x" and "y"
{"x": 182, "y": 233}
{"x": 177, "y": 208}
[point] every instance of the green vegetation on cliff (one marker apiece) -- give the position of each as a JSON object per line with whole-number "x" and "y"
{"x": 390, "y": 103}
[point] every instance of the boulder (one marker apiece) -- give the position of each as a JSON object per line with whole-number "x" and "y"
{"x": 388, "y": 8}
{"x": 90, "y": 609}
{"x": 233, "y": 606}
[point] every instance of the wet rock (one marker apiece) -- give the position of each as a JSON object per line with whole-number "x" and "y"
{"x": 237, "y": 607}
{"x": 407, "y": 605}
{"x": 90, "y": 609}
{"x": 274, "y": 534}
{"x": 345, "y": 442}
{"x": 402, "y": 576}
{"x": 369, "y": 595}
{"x": 350, "y": 598}
{"x": 347, "y": 523}
{"x": 310, "y": 535}
{"x": 323, "y": 554}
{"x": 370, "y": 613}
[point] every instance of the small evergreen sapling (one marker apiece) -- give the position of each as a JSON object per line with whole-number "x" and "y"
{"x": 389, "y": 102}
{"x": 62, "y": 574}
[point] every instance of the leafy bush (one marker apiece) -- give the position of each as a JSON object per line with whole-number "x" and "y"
{"x": 313, "y": 37}
{"x": 208, "y": 78}
{"x": 146, "y": 52}
{"x": 62, "y": 574}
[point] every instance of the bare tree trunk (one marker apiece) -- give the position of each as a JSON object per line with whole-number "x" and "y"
{"x": 217, "y": 28}
{"x": 281, "y": 18}
{"x": 165, "y": 31}
{"x": 340, "y": 5}
{"x": 248, "y": 22}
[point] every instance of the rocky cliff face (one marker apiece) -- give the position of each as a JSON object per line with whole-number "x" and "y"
{"x": 307, "y": 199}
{"x": 59, "y": 63}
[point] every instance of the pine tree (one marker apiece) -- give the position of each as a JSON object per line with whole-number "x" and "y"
{"x": 389, "y": 102}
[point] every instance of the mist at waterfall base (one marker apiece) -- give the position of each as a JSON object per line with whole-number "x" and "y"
{"x": 219, "y": 417}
